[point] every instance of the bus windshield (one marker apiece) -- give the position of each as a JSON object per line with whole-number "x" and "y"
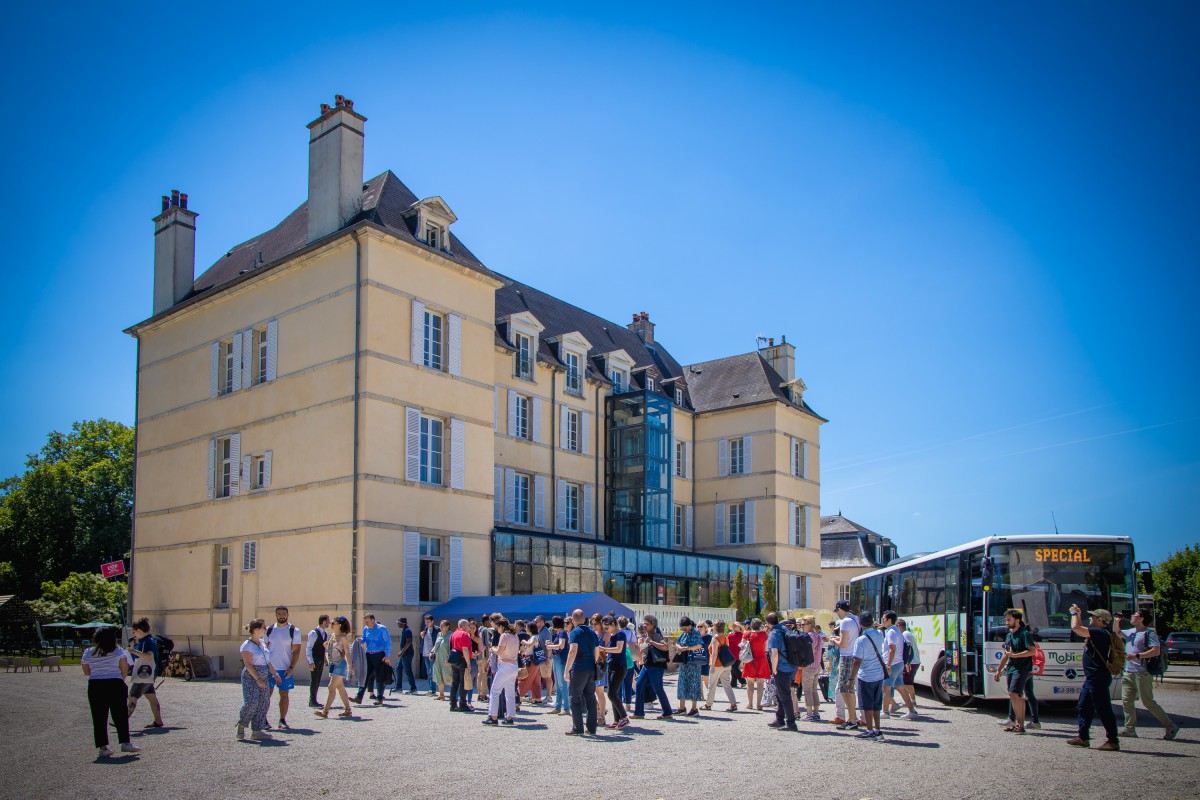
{"x": 1045, "y": 580}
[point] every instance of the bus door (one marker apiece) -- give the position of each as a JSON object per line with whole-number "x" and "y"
{"x": 973, "y": 629}
{"x": 955, "y": 622}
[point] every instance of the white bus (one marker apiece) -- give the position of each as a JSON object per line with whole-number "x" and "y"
{"x": 954, "y": 603}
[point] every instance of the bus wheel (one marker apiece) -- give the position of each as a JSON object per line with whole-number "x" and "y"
{"x": 937, "y": 682}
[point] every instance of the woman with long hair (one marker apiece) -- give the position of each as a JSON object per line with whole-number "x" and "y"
{"x": 106, "y": 666}
{"x": 340, "y": 667}
{"x": 618, "y": 664}
{"x": 504, "y": 684}
{"x": 256, "y": 698}
{"x": 597, "y": 623}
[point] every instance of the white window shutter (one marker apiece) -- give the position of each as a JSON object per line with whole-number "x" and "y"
{"x": 214, "y": 369}
{"x": 688, "y": 527}
{"x": 212, "y": 466}
{"x": 267, "y": 468}
{"x": 722, "y": 457}
{"x": 412, "y": 568}
{"x": 687, "y": 457}
{"x": 510, "y": 495}
{"x": 795, "y": 452}
{"x": 498, "y": 490}
{"x": 562, "y": 426}
{"x": 247, "y": 356}
{"x": 237, "y": 361}
{"x": 749, "y": 522}
{"x": 496, "y": 411}
{"x": 454, "y": 335}
{"x": 588, "y": 492}
{"x": 512, "y": 412}
{"x": 412, "y": 444}
{"x": 747, "y": 454}
{"x": 814, "y": 523}
{"x": 791, "y": 523}
{"x": 792, "y": 585}
{"x": 235, "y": 462}
{"x": 272, "y": 349}
{"x": 585, "y": 432}
{"x": 560, "y": 505}
{"x": 719, "y": 524}
{"x": 804, "y": 459}
{"x": 537, "y": 420}
{"x": 246, "y": 476}
{"x": 456, "y": 566}
{"x": 418, "y": 332}
{"x": 674, "y": 456}
{"x": 457, "y": 461}
{"x": 539, "y": 501}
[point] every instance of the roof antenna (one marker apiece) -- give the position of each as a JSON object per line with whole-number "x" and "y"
{"x": 1055, "y": 521}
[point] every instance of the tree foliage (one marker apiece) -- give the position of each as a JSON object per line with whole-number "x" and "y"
{"x": 741, "y": 596}
{"x": 770, "y": 595}
{"x": 1177, "y": 591}
{"x": 70, "y": 510}
{"x": 82, "y": 597}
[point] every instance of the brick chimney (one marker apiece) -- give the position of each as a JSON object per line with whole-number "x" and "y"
{"x": 174, "y": 251}
{"x": 643, "y": 327}
{"x": 335, "y": 167}
{"x": 782, "y": 357}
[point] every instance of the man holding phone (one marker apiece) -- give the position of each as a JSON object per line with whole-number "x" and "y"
{"x": 1093, "y": 697}
{"x": 1016, "y": 665}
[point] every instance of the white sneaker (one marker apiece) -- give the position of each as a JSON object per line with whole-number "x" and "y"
{"x": 129, "y": 747}
{"x": 105, "y": 752}
{"x": 260, "y": 736}
{"x": 1004, "y": 721}
{"x": 909, "y": 715}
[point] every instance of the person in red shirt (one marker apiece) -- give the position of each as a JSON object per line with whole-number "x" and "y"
{"x": 460, "y": 660}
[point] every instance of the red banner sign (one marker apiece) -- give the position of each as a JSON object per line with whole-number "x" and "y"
{"x": 112, "y": 569}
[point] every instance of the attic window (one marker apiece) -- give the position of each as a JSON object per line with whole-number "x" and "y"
{"x": 650, "y": 383}
{"x": 435, "y": 236}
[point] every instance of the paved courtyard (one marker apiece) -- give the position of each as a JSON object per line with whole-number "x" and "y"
{"x": 414, "y": 748}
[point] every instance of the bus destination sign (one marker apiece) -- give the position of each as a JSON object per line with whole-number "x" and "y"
{"x": 1062, "y": 555}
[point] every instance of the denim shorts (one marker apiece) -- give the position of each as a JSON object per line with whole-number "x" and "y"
{"x": 870, "y": 695}
{"x": 895, "y": 677}
{"x": 338, "y": 669}
{"x": 285, "y": 685}
{"x": 1017, "y": 680}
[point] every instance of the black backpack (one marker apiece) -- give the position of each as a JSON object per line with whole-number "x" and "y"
{"x": 908, "y": 652}
{"x": 799, "y": 648}
{"x": 162, "y": 654}
{"x": 1156, "y": 666}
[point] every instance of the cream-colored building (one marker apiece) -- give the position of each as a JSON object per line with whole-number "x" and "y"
{"x": 350, "y": 413}
{"x": 847, "y": 551}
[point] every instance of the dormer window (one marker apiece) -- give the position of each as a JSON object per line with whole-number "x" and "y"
{"x": 650, "y": 383}
{"x": 620, "y": 379}
{"x": 678, "y": 396}
{"x": 434, "y": 236}
{"x": 430, "y": 222}
{"x": 574, "y": 378}
{"x": 523, "y": 366}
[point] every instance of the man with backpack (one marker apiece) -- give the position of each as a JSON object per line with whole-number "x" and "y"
{"x": 894, "y": 650}
{"x": 145, "y": 655}
{"x": 1144, "y": 660}
{"x": 1016, "y": 665}
{"x": 782, "y": 672}
{"x": 283, "y": 643}
{"x": 1103, "y": 658}
{"x": 867, "y": 672}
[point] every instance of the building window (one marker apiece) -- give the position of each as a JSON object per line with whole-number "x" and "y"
{"x": 572, "y": 430}
{"x": 799, "y": 591}
{"x": 571, "y": 509}
{"x": 434, "y": 237}
{"x": 227, "y": 365}
{"x": 737, "y": 523}
{"x": 431, "y": 569}
{"x": 431, "y": 450}
{"x": 680, "y": 460}
{"x": 736, "y": 464}
{"x": 843, "y": 592}
{"x": 620, "y": 380}
{"x": 249, "y": 556}
{"x": 521, "y": 499}
{"x": 434, "y": 326}
{"x": 677, "y": 526}
{"x": 225, "y": 466}
{"x": 801, "y": 525}
{"x": 223, "y": 576}
{"x": 678, "y": 396}
{"x": 523, "y": 367}
{"x": 258, "y": 472}
{"x": 650, "y": 383}
{"x": 522, "y": 427}
{"x": 798, "y": 465}
{"x": 574, "y": 379}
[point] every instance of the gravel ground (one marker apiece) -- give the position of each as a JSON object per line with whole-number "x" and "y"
{"x": 414, "y": 748}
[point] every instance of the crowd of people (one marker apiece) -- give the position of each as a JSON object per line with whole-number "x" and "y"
{"x": 605, "y": 670}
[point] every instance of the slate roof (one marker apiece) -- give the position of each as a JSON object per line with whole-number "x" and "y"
{"x": 385, "y": 198}
{"x": 843, "y": 544}
{"x": 734, "y": 381}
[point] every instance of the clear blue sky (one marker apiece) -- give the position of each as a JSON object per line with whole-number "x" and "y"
{"x": 979, "y": 227}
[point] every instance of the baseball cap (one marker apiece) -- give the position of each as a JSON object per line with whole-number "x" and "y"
{"x": 843, "y": 605}
{"x": 402, "y": 621}
{"x": 745, "y": 622}
{"x": 788, "y": 620}
{"x": 1102, "y": 614}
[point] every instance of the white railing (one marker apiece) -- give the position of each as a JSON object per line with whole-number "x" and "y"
{"x": 669, "y": 616}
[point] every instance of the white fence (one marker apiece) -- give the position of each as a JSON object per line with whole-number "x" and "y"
{"x": 669, "y": 616}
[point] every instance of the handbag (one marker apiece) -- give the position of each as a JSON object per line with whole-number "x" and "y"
{"x": 455, "y": 658}
{"x": 724, "y": 654}
{"x": 746, "y": 653}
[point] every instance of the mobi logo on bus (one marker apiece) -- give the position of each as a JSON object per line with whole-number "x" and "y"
{"x": 1062, "y": 555}
{"x": 1064, "y": 656}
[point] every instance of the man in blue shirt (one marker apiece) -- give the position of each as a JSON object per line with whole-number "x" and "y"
{"x": 783, "y": 672}
{"x": 378, "y": 644}
{"x": 581, "y": 674}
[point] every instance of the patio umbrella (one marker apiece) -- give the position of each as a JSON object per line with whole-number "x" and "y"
{"x": 95, "y": 624}
{"x": 60, "y": 625}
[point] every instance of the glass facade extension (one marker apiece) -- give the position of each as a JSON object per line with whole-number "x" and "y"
{"x": 546, "y": 564}
{"x": 638, "y": 469}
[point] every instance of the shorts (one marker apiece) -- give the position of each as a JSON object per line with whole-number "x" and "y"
{"x": 895, "y": 677}
{"x": 870, "y": 695}
{"x": 910, "y": 674}
{"x": 136, "y": 690}
{"x": 338, "y": 669}
{"x": 843, "y": 679}
{"x": 285, "y": 685}
{"x": 1017, "y": 680}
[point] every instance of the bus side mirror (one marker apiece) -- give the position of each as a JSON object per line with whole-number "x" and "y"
{"x": 1148, "y": 580}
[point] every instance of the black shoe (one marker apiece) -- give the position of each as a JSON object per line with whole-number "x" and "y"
{"x": 774, "y": 724}
{"x": 791, "y": 727}
{"x": 490, "y": 721}
{"x": 314, "y": 704}
{"x": 508, "y": 721}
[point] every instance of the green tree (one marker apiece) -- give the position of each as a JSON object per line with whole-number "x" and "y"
{"x": 8, "y": 578}
{"x": 741, "y": 595}
{"x": 82, "y": 597}
{"x": 770, "y": 597}
{"x": 70, "y": 510}
{"x": 1177, "y": 591}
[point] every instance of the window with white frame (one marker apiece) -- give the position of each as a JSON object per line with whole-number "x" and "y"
{"x": 798, "y": 459}
{"x": 843, "y": 592}
{"x": 677, "y": 527}
{"x": 678, "y": 396}
{"x": 433, "y": 353}
{"x": 260, "y": 354}
{"x": 430, "y": 570}
{"x": 249, "y": 556}
{"x": 620, "y": 379}
{"x": 571, "y": 442}
{"x": 800, "y": 525}
{"x": 571, "y": 507}
{"x": 737, "y": 523}
{"x": 521, "y": 499}
{"x": 650, "y": 383}
{"x": 523, "y": 358}
{"x": 432, "y": 450}
{"x": 736, "y": 462}
{"x": 222, "y": 576}
{"x": 435, "y": 236}
{"x": 227, "y": 366}
{"x": 680, "y": 459}
{"x": 522, "y": 417}
{"x": 799, "y": 591}
{"x": 225, "y": 467}
{"x": 258, "y": 472}
{"x": 574, "y": 378}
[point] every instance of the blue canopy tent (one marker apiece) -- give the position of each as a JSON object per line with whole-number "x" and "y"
{"x": 528, "y": 606}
